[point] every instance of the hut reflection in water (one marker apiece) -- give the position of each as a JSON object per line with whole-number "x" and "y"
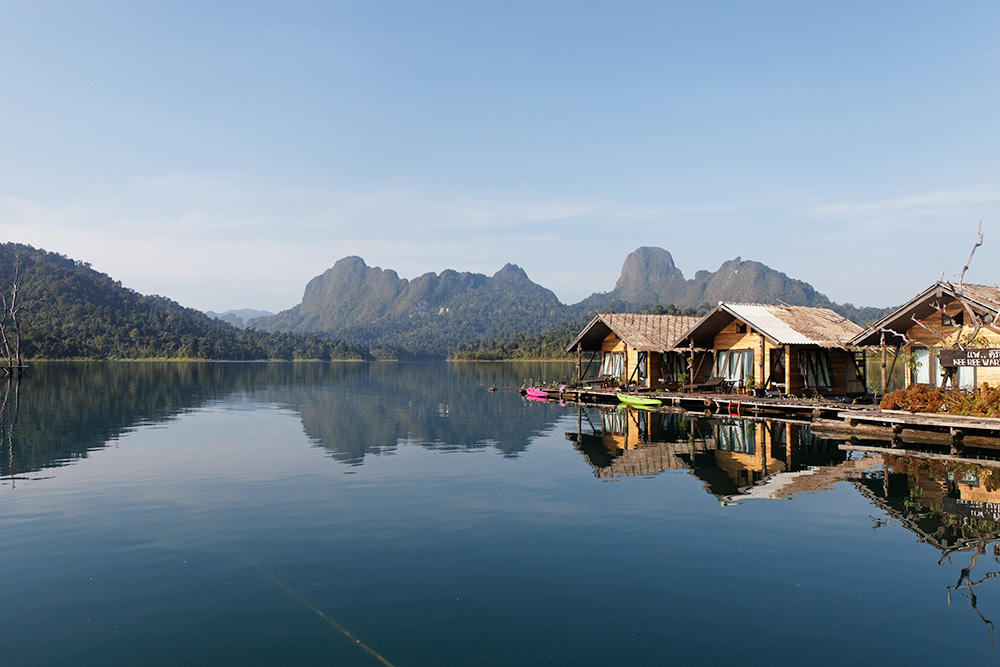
{"x": 733, "y": 458}
{"x": 950, "y": 504}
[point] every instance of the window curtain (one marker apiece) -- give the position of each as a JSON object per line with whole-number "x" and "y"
{"x": 966, "y": 377}
{"x": 734, "y": 365}
{"x": 922, "y": 370}
{"x": 614, "y": 365}
{"x": 814, "y": 365}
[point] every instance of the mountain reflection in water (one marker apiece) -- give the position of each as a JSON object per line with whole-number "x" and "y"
{"x": 66, "y": 410}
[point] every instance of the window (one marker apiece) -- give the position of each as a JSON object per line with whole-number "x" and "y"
{"x": 734, "y": 365}
{"x": 922, "y": 366}
{"x": 965, "y": 378}
{"x": 674, "y": 365}
{"x": 956, "y": 320}
{"x": 777, "y": 373}
{"x": 814, "y": 365}
{"x": 614, "y": 365}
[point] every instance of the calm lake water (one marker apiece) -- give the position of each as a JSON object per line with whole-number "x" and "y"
{"x": 401, "y": 514}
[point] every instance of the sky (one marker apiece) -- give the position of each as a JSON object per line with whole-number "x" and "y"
{"x": 224, "y": 153}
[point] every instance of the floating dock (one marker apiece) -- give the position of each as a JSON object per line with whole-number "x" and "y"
{"x": 829, "y": 418}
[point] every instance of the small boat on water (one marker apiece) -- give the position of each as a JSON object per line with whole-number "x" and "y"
{"x": 536, "y": 393}
{"x": 639, "y": 401}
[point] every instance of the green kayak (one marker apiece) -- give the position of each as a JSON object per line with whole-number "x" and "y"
{"x": 639, "y": 401}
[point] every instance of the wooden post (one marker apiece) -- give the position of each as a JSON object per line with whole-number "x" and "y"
{"x": 885, "y": 378}
{"x": 691, "y": 379}
{"x": 579, "y": 362}
{"x": 761, "y": 377}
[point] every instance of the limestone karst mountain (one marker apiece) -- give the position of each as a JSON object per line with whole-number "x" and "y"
{"x": 431, "y": 314}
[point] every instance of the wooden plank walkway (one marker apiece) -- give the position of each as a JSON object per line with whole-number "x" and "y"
{"x": 713, "y": 404}
{"x": 849, "y": 420}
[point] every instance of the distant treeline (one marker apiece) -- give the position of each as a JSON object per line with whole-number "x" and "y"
{"x": 550, "y": 344}
{"x": 74, "y": 312}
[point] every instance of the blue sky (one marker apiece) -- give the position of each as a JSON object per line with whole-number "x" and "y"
{"x": 224, "y": 153}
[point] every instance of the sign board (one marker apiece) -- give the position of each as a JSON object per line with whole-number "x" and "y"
{"x": 972, "y": 509}
{"x": 978, "y": 357}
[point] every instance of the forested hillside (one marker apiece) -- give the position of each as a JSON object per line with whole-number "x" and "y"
{"x": 73, "y": 311}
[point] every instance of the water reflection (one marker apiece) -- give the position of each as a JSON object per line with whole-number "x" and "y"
{"x": 734, "y": 458}
{"x": 352, "y": 410}
{"x": 424, "y": 548}
{"x": 952, "y": 505}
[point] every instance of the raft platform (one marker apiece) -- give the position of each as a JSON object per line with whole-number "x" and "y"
{"x": 829, "y": 418}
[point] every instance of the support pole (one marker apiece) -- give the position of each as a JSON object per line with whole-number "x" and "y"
{"x": 885, "y": 378}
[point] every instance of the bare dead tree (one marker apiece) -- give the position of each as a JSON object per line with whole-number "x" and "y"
{"x": 10, "y": 322}
{"x": 961, "y": 276}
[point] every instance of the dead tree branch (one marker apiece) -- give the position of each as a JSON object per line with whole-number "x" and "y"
{"x": 961, "y": 276}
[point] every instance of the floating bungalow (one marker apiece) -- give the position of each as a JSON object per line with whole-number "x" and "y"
{"x": 942, "y": 318}
{"x": 633, "y": 349}
{"x": 789, "y": 350}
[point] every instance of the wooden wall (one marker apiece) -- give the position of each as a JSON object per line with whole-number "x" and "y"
{"x": 731, "y": 339}
{"x": 921, "y": 337}
{"x": 613, "y": 343}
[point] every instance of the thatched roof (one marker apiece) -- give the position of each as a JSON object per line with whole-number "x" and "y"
{"x": 648, "y": 333}
{"x": 982, "y": 298}
{"x": 782, "y": 325}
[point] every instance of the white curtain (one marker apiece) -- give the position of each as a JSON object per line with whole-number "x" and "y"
{"x": 734, "y": 365}
{"x": 614, "y": 365}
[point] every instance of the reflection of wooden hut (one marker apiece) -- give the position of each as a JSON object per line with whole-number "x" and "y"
{"x": 936, "y": 319}
{"x": 633, "y": 349}
{"x": 949, "y": 503}
{"x": 791, "y": 349}
{"x": 627, "y": 443}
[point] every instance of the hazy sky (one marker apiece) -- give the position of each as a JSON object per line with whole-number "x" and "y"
{"x": 224, "y": 153}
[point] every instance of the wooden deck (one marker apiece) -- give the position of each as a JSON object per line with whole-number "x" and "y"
{"x": 905, "y": 427}
{"x": 829, "y": 418}
{"x": 712, "y": 403}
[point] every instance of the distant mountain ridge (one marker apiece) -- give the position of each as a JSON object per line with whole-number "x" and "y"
{"x": 428, "y": 315}
{"x": 433, "y": 313}
{"x": 650, "y": 277}
{"x": 239, "y": 317}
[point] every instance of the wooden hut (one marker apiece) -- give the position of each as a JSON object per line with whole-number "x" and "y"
{"x": 938, "y": 319}
{"x": 794, "y": 350}
{"x": 633, "y": 349}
